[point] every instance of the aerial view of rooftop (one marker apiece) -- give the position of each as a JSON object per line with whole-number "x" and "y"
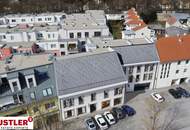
{"x": 95, "y": 64}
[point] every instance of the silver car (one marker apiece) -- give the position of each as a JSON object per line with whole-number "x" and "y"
{"x": 90, "y": 124}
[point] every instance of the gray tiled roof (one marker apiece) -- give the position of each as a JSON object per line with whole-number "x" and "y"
{"x": 138, "y": 53}
{"x": 87, "y": 72}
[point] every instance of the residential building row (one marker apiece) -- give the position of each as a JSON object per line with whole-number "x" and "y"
{"x": 92, "y": 81}
{"x": 134, "y": 27}
{"x": 68, "y": 36}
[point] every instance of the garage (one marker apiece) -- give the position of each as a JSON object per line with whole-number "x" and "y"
{"x": 140, "y": 87}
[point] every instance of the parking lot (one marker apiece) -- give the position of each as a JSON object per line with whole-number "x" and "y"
{"x": 139, "y": 121}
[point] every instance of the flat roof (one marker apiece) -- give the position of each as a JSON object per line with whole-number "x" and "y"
{"x": 49, "y": 28}
{"x": 81, "y": 21}
{"x": 20, "y": 62}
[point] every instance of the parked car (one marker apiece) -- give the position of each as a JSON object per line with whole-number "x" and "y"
{"x": 183, "y": 92}
{"x": 157, "y": 97}
{"x": 90, "y": 124}
{"x": 109, "y": 118}
{"x": 128, "y": 110}
{"x": 101, "y": 122}
{"x": 174, "y": 93}
{"x": 118, "y": 113}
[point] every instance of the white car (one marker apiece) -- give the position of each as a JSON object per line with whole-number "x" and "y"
{"x": 156, "y": 96}
{"x": 101, "y": 122}
{"x": 109, "y": 117}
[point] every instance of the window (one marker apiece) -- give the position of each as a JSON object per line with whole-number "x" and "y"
{"x": 93, "y": 96}
{"x": 49, "y": 105}
{"x": 80, "y": 99}
{"x": 13, "y": 20}
{"x": 118, "y": 91}
{"x": 30, "y": 81}
{"x": 130, "y": 79}
{"x": 49, "y": 36}
{"x": 14, "y": 84}
{"x": 137, "y": 78}
{"x": 23, "y": 20}
{"x": 78, "y": 35}
{"x": 69, "y": 113}
{"x": 53, "y": 45}
{"x": 81, "y": 110}
{"x": 40, "y": 35}
{"x": 187, "y": 61}
{"x": 185, "y": 70}
{"x": 105, "y": 104}
{"x": 130, "y": 69}
{"x": 117, "y": 101}
{"x": 49, "y": 91}
{"x": 97, "y": 34}
{"x": 68, "y": 102}
{"x": 150, "y": 76}
{"x": 138, "y": 69}
{"x": 145, "y": 77}
{"x": 71, "y": 35}
{"x": 12, "y": 37}
{"x": 86, "y": 34}
{"x": 49, "y": 19}
{"x": 151, "y": 67}
{"x": 39, "y": 19}
{"x": 179, "y": 62}
{"x": 32, "y": 95}
{"x": 177, "y": 71}
{"x": 106, "y": 94}
{"x": 146, "y": 68}
{"x": 62, "y": 45}
{"x": 44, "y": 93}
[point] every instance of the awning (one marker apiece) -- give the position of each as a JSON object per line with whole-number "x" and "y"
{"x": 6, "y": 100}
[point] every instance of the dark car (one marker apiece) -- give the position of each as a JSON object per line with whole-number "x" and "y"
{"x": 183, "y": 92}
{"x": 90, "y": 124}
{"x": 118, "y": 113}
{"x": 174, "y": 93}
{"x": 128, "y": 110}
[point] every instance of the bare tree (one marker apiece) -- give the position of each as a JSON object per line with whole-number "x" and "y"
{"x": 159, "y": 116}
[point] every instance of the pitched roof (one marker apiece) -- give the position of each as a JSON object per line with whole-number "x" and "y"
{"x": 138, "y": 53}
{"x": 138, "y": 22}
{"x": 171, "y": 49}
{"x": 87, "y": 71}
{"x": 141, "y": 26}
{"x": 131, "y": 11}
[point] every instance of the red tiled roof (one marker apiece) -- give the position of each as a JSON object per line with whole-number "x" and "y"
{"x": 131, "y": 11}
{"x": 134, "y": 17}
{"x": 172, "y": 49}
{"x": 5, "y": 52}
{"x": 135, "y": 22}
{"x": 139, "y": 27}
